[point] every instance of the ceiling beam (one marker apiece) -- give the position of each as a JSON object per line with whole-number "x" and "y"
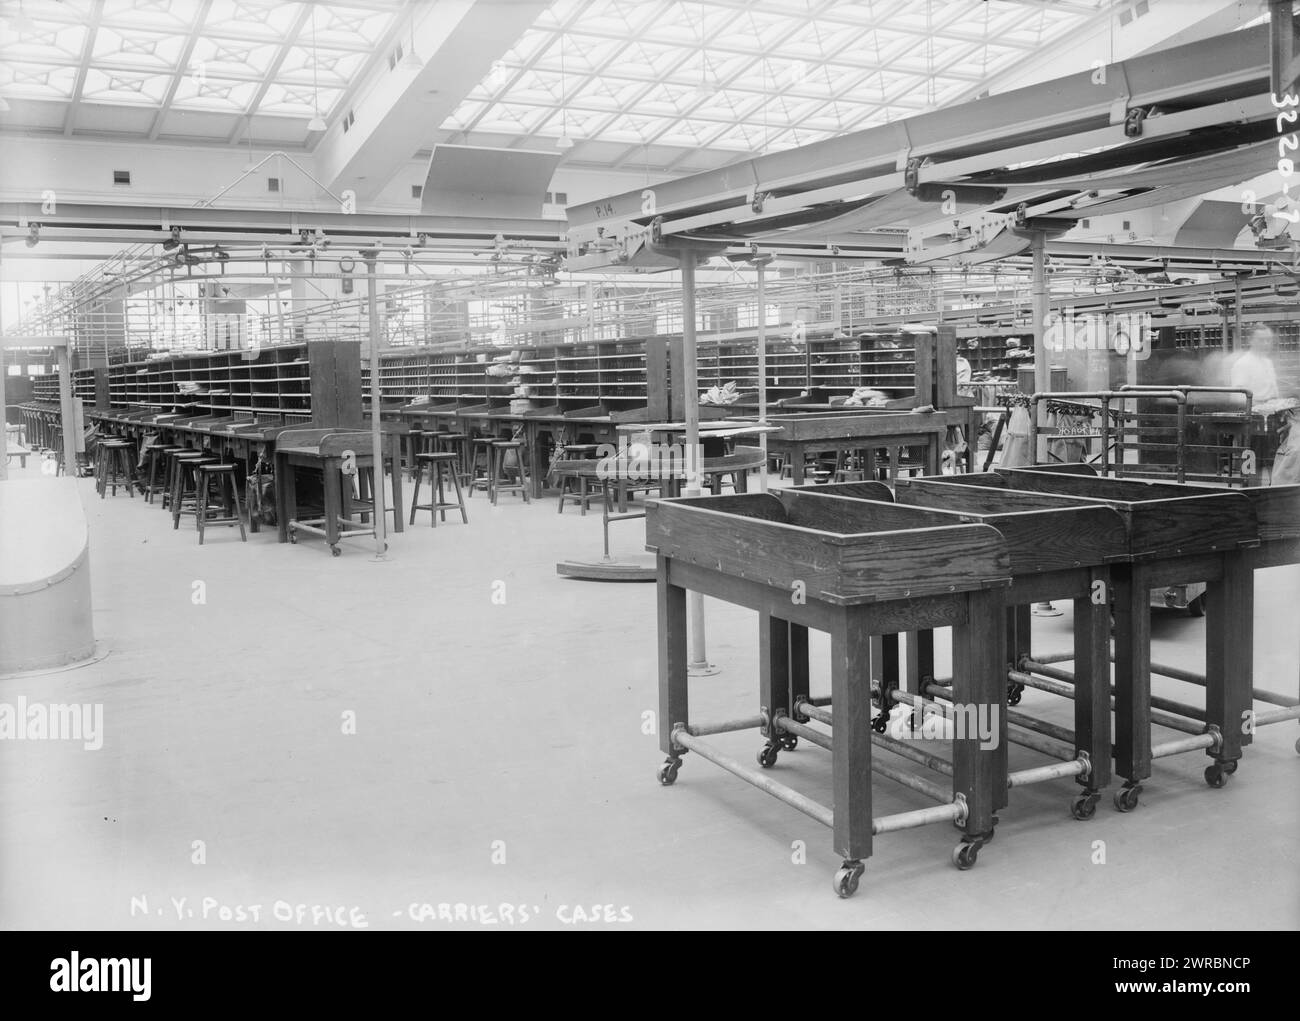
{"x": 182, "y": 69}
{"x": 87, "y": 49}
{"x": 286, "y": 45}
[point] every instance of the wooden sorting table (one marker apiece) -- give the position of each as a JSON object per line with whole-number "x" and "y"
{"x": 324, "y": 450}
{"x": 1177, "y": 534}
{"x": 1055, "y": 552}
{"x": 863, "y": 429}
{"x": 854, "y": 571}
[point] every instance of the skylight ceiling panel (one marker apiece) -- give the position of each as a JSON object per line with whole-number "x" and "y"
{"x": 624, "y": 18}
{"x": 698, "y": 131}
{"x": 537, "y": 87}
{"x": 348, "y": 27}
{"x": 329, "y": 67}
{"x": 741, "y": 137}
{"x": 609, "y": 94}
{"x": 815, "y": 86}
{"x": 213, "y": 93}
{"x": 837, "y": 116}
{"x": 736, "y": 105}
{"x": 580, "y": 124}
{"x": 105, "y": 85}
{"x": 150, "y": 15}
{"x": 36, "y": 81}
{"x": 298, "y": 101}
{"x": 515, "y": 120}
{"x": 761, "y": 31}
{"x": 814, "y": 42}
{"x": 646, "y": 60}
{"x": 916, "y": 19}
{"x": 718, "y": 68}
{"x": 582, "y": 54}
{"x": 251, "y": 21}
{"x": 636, "y": 129}
{"x": 72, "y": 12}
{"x": 49, "y": 44}
{"x": 668, "y": 100}
{"x": 136, "y": 51}
{"x": 532, "y": 43}
{"x": 233, "y": 59}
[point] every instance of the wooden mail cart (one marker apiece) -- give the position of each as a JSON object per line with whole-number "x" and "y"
{"x": 855, "y": 570}
{"x": 1176, "y": 534}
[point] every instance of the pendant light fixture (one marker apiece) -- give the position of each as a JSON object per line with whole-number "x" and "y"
{"x": 317, "y": 123}
{"x": 564, "y": 142}
{"x": 410, "y": 61}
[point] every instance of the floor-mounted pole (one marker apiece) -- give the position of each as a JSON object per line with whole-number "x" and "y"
{"x": 699, "y": 663}
{"x": 1041, "y": 309}
{"x": 761, "y": 262}
{"x": 376, "y": 411}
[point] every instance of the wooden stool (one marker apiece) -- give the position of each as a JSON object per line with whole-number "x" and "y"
{"x": 364, "y": 502}
{"x": 442, "y": 469}
{"x": 502, "y": 469}
{"x": 222, "y": 477}
{"x": 481, "y": 457}
{"x": 185, "y": 485}
{"x": 155, "y": 476}
{"x": 458, "y": 444}
{"x": 170, "y": 457}
{"x": 737, "y": 479}
{"x": 116, "y": 467}
{"x": 589, "y": 487}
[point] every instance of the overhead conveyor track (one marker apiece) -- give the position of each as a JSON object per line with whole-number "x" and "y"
{"x": 1136, "y": 133}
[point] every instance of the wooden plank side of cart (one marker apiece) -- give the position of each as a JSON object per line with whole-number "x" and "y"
{"x": 840, "y": 568}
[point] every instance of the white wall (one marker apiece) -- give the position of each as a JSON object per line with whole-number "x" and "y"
{"x": 81, "y": 170}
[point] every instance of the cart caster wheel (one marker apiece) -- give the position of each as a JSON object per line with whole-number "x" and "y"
{"x": 789, "y": 742}
{"x": 1126, "y": 798}
{"x": 767, "y": 756}
{"x": 881, "y": 723}
{"x": 846, "y": 878}
{"x": 1084, "y": 806}
{"x": 965, "y": 855}
{"x": 1297, "y": 745}
{"x": 293, "y": 539}
{"x": 335, "y": 551}
{"x": 1216, "y": 776}
{"x": 1196, "y": 608}
{"x": 1013, "y": 693}
{"x": 667, "y": 773}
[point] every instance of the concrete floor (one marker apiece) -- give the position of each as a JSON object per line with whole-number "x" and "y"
{"x": 499, "y": 759}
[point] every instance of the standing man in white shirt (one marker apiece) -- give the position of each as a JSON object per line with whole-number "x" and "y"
{"x": 1254, "y": 369}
